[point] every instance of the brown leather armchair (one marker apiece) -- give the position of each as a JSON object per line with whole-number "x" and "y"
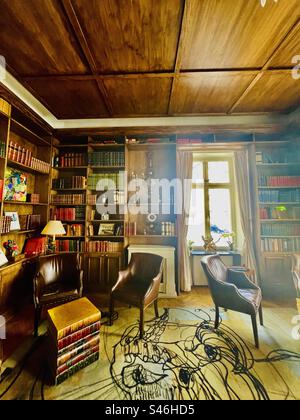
{"x": 139, "y": 284}
{"x": 58, "y": 280}
{"x": 232, "y": 289}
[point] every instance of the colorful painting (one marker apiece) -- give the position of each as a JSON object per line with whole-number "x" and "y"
{"x": 15, "y": 187}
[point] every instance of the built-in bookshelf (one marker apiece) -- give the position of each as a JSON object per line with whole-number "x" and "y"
{"x": 25, "y": 157}
{"x": 278, "y": 197}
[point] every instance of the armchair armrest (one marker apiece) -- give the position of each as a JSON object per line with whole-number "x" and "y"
{"x": 38, "y": 286}
{"x": 240, "y": 279}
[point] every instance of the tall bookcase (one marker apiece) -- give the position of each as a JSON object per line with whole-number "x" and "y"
{"x": 16, "y": 140}
{"x": 278, "y": 195}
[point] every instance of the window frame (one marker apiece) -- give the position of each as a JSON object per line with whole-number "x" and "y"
{"x": 206, "y": 186}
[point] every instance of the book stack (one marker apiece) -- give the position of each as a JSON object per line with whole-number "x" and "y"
{"x": 75, "y": 199}
{"x": 5, "y": 222}
{"x": 70, "y": 245}
{"x": 92, "y": 200}
{"x": 282, "y": 229}
{"x": 279, "y": 196}
{"x": 29, "y": 221}
{"x": 74, "y": 338}
{"x": 130, "y": 229}
{"x": 2, "y": 149}
{"x": 100, "y": 159}
{"x": 39, "y": 165}
{"x": 68, "y": 183}
{"x": 103, "y": 246}
{"x": 68, "y": 214}
{"x": 104, "y": 181}
{"x": 74, "y": 230}
{"x": 70, "y": 160}
{"x": 279, "y": 181}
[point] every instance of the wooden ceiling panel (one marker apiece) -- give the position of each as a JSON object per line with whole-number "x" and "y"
{"x": 139, "y": 96}
{"x": 71, "y": 99}
{"x": 289, "y": 48}
{"x": 208, "y": 93}
{"x": 35, "y": 38}
{"x": 274, "y": 91}
{"x": 131, "y": 36}
{"x": 223, "y": 34}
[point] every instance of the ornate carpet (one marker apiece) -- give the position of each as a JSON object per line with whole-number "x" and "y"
{"x": 181, "y": 357}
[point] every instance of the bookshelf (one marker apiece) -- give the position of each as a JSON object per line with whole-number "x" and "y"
{"x": 278, "y": 209}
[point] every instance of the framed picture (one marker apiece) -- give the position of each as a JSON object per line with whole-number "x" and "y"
{"x": 106, "y": 229}
{"x": 15, "y": 185}
{"x": 15, "y": 223}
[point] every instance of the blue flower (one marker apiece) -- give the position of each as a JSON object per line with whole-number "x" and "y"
{"x": 216, "y": 229}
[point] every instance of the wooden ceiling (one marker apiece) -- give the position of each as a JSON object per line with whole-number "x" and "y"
{"x": 128, "y": 58}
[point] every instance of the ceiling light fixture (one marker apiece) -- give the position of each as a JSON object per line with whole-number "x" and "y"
{"x": 264, "y": 2}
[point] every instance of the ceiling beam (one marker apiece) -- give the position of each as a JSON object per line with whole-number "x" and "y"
{"x": 81, "y": 39}
{"x": 264, "y": 69}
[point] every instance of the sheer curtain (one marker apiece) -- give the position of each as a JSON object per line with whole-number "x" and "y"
{"x": 247, "y": 221}
{"x": 184, "y": 173}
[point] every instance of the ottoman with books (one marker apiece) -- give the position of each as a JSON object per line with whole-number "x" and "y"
{"x": 74, "y": 337}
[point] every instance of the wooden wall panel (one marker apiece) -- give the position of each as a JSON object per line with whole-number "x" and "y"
{"x": 289, "y": 48}
{"x": 71, "y": 98}
{"x": 141, "y": 96}
{"x": 275, "y": 91}
{"x": 235, "y": 33}
{"x": 35, "y": 38}
{"x": 208, "y": 92}
{"x": 131, "y": 35}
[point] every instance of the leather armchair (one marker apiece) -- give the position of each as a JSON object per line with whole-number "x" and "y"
{"x": 58, "y": 280}
{"x": 232, "y": 289}
{"x": 139, "y": 284}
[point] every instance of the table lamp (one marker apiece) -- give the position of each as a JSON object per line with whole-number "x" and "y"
{"x": 53, "y": 228}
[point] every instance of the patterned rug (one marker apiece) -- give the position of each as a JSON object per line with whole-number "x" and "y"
{"x": 182, "y": 357}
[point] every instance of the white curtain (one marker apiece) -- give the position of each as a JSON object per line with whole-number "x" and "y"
{"x": 247, "y": 221}
{"x": 184, "y": 173}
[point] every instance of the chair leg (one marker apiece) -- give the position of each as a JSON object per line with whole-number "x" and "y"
{"x": 37, "y": 317}
{"x": 141, "y": 322}
{"x": 111, "y": 310}
{"x": 217, "y": 320}
{"x": 255, "y": 331}
{"x": 156, "y": 308}
{"x": 261, "y": 317}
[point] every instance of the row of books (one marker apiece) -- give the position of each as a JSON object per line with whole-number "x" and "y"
{"x": 23, "y": 155}
{"x": 168, "y": 229}
{"x": 5, "y": 223}
{"x": 73, "y": 342}
{"x": 106, "y": 229}
{"x": 75, "y": 199}
{"x": 69, "y": 245}
{"x": 71, "y": 182}
{"x": 116, "y": 197}
{"x": 5, "y": 107}
{"x": 103, "y": 181}
{"x": 279, "y": 181}
{"x": 74, "y": 229}
{"x": 29, "y": 221}
{"x": 103, "y": 246}
{"x": 106, "y": 159}
{"x": 130, "y": 229}
{"x": 276, "y": 157}
{"x": 70, "y": 160}
{"x": 280, "y": 245}
{"x": 68, "y": 214}
{"x": 282, "y": 229}
{"x": 279, "y": 196}
{"x": 2, "y": 149}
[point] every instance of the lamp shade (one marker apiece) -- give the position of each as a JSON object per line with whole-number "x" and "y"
{"x": 54, "y": 227}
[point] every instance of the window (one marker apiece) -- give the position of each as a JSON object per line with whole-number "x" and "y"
{"x": 212, "y": 200}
